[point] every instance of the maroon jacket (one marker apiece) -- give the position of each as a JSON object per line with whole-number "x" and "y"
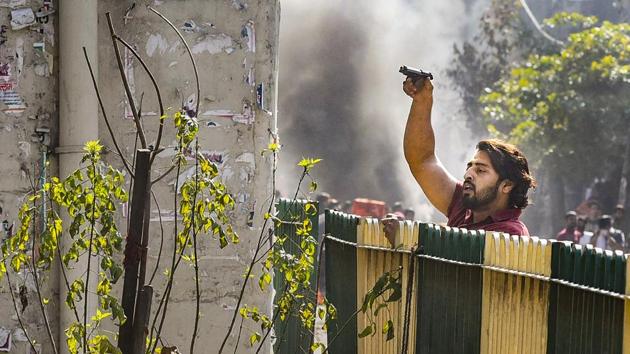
{"x": 502, "y": 221}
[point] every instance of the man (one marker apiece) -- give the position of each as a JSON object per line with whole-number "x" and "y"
{"x": 496, "y": 180}
{"x": 606, "y": 237}
{"x": 618, "y": 220}
{"x": 594, "y": 213}
{"x": 570, "y": 231}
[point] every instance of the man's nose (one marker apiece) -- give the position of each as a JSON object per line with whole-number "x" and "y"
{"x": 468, "y": 175}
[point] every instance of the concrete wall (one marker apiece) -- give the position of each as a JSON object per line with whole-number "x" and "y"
{"x": 235, "y": 44}
{"x": 28, "y": 102}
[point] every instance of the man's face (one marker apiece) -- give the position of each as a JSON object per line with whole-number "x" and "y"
{"x": 571, "y": 221}
{"x": 595, "y": 212}
{"x": 481, "y": 182}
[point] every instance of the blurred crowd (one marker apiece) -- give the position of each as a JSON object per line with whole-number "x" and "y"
{"x": 365, "y": 207}
{"x": 588, "y": 225}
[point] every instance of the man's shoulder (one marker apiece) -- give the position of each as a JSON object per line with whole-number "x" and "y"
{"x": 512, "y": 227}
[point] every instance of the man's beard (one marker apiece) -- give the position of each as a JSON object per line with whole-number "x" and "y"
{"x": 481, "y": 198}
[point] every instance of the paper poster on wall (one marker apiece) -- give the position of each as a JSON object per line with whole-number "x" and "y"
{"x": 14, "y": 104}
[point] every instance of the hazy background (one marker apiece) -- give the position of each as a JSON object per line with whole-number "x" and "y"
{"x": 341, "y": 99}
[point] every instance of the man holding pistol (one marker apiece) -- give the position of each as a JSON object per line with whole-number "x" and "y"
{"x": 496, "y": 181}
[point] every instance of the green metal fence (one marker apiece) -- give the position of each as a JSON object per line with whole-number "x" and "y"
{"x": 586, "y": 300}
{"x": 487, "y": 293}
{"x": 449, "y": 278}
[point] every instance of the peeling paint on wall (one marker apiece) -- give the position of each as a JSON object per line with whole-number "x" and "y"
{"x": 240, "y": 5}
{"x": 5, "y": 340}
{"x": 156, "y": 42}
{"x": 214, "y": 44}
{"x": 248, "y": 33}
{"x": 12, "y": 3}
{"x": 245, "y": 117}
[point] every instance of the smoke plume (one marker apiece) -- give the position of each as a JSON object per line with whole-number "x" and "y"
{"x": 340, "y": 93}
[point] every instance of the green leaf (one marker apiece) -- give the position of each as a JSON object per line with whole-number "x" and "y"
{"x": 255, "y": 337}
{"x": 388, "y": 329}
{"x": 366, "y": 331}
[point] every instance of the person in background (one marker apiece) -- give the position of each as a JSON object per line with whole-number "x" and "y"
{"x": 347, "y": 207}
{"x": 618, "y": 219}
{"x": 410, "y": 214}
{"x": 606, "y": 237}
{"x": 397, "y": 209}
{"x": 333, "y": 204}
{"x": 570, "y": 231}
{"x": 594, "y": 214}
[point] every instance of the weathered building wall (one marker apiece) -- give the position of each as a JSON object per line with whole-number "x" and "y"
{"x": 28, "y": 110}
{"x": 235, "y": 44}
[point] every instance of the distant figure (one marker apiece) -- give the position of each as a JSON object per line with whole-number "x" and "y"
{"x": 570, "y": 231}
{"x": 322, "y": 201}
{"x": 594, "y": 214}
{"x": 606, "y": 237}
{"x": 410, "y": 214}
{"x": 397, "y": 209}
{"x": 347, "y": 206}
{"x": 618, "y": 217}
{"x": 496, "y": 181}
{"x": 333, "y": 204}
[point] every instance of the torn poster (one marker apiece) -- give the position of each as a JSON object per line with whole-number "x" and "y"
{"x": 43, "y": 60}
{"x": 246, "y": 117}
{"x": 248, "y": 33}
{"x": 12, "y": 3}
{"x": 9, "y": 96}
{"x": 5, "y": 72}
{"x": 214, "y": 44}
{"x": 5, "y": 340}
{"x": 22, "y": 18}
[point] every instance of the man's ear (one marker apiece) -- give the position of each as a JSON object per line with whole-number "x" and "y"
{"x": 506, "y": 186}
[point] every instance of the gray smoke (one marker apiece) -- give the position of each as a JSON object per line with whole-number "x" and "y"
{"x": 340, "y": 95}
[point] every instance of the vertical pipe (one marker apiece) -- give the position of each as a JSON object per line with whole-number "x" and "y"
{"x": 78, "y": 110}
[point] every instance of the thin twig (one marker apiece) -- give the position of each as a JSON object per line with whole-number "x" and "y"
{"x": 89, "y": 263}
{"x": 164, "y": 174}
{"x": 33, "y": 266}
{"x": 157, "y": 264}
{"x": 132, "y": 104}
{"x": 332, "y": 340}
{"x": 100, "y": 102}
{"x": 157, "y": 92}
{"x": 196, "y": 262}
{"x": 251, "y": 265}
{"x": 41, "y": 301}
{"x": 238, "y": 338}
{"x": 194, "y": 65}
{"x": 17, "y": 311}
{"x": 166, "y": 296}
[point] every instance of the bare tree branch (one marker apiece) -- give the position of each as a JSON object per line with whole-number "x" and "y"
{"x": 132, "y": 104}
{"x": 100, "y": 102}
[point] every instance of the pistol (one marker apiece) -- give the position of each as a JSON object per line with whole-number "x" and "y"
{"x": 415, "y": 74}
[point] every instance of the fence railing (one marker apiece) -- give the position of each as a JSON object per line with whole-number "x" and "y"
{"x": 475, "y": 292}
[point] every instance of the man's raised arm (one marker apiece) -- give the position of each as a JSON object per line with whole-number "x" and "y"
{"x": 419, "y": 147}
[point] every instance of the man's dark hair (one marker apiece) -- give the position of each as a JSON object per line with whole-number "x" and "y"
{"x": 510, "y": 164}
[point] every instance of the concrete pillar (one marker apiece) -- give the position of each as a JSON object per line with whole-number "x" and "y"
{"x": 78, "y": 110}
